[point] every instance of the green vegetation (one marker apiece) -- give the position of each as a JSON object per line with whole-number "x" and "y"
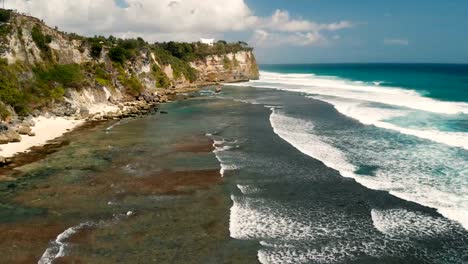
{"x": 194, "y": 51}
{"x": 4, "y": 31}
{"x": 132, "y": 84}
{"x": 42, "y": 41}
{"x": 124, "y": 49}
{"x": 180, "y": 67}
{"x": 162, "y": 81}
{"x": 119, "y": 55}
{"x": 227, "y": 63}
{"x": 10, "y": 92}
{"x": 96, "y": 49}
{"x": 67, "y": 75}
{"x": 5, "y": 15}
{"x": 47, "y": 85}
{"x": 101, "y": 76}
{"x": 235, "y": 62}
{"x": 4, "y": 113}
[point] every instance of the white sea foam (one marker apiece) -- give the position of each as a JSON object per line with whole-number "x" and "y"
{"x": 298, "y": 133}
{"x": 404, "y": 223}
{"x": 285, "y": 232}
{"x": 353, "y": 98}
{"x": 448, "y": 197}
{"x": 222, "y": 146}
{"x": 57, "y": 248}
{"x": 247, "y": 189}
{"x": 370, "y": 115}
{"x": 251, "y": 222}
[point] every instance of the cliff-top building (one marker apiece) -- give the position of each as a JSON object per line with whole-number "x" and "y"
{"x": 207, "y": 41}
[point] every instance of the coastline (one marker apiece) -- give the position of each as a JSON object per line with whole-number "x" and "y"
{"x": 48, "y": 128}
{"x": 45, "y": 129}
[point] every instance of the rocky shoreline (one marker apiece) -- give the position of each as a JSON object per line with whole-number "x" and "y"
{"x": 145, "y": 104}
{"x": 12, "y": 131}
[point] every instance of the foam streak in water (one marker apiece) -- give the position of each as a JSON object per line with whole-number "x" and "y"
{"x": 57, "y": 248}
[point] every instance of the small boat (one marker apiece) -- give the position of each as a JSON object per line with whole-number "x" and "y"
{"x": 218, "y": 89}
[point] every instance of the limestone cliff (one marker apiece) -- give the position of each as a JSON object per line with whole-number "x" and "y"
{"x": 68, "y": 74}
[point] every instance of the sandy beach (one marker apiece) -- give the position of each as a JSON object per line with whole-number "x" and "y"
{"x": 45, "y": 129}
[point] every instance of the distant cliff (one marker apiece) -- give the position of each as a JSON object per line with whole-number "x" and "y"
{"x": 43, "y": 69}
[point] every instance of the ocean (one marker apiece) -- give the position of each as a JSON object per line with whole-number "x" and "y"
{"x": 397, "y": 128}
{"x": 309, "y": 164}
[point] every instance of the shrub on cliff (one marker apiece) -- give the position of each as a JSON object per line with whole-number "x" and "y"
{"x": 10, "y": 89}
{"x": 180, "y": 67}
{"x": 227, "y": 64}
{"x": 42, "y": 41}
{"x": 96, "y": 49}
{"x": 68, "y": 75}
{"x": 101, "y": 76}
{"x": 131, "y": 83}
{"x": 5, "y": 15}
{"x": 126, "y": 49}
{"x": 118, "y": 54}
{"x": 162, "y": 81}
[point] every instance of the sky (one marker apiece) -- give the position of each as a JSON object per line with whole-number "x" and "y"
{"x": 281, "y": 31}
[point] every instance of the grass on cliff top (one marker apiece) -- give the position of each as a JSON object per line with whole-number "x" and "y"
{"x": 199, "y": 51}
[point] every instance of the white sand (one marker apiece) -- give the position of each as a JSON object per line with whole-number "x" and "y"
{"x": 102, "y": 108}
{"x": 45, "y": 129}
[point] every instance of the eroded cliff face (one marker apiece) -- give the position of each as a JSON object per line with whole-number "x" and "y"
{"x": 231, "y": 67}
{"x": 31, "y": 44}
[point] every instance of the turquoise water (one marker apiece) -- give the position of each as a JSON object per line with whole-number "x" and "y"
{"x": 448, "y": 82}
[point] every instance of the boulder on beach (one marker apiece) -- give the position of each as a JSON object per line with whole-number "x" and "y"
{"x": 9, "y": 136}
{"x": 23, "y": 130}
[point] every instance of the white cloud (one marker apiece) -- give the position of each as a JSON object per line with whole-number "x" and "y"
{"x": 399, "y": 42}
{"x": 270, "y": 39}
{"x": 160, "y": 20}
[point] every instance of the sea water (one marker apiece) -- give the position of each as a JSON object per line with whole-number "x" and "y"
{"x": 379, "y": 125}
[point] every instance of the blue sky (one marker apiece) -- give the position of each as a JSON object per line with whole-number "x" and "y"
{"x": 281, "y": 31}
{"x": 415, "y": 30}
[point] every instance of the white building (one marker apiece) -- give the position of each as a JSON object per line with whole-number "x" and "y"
{"x": 207, "y": 41}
